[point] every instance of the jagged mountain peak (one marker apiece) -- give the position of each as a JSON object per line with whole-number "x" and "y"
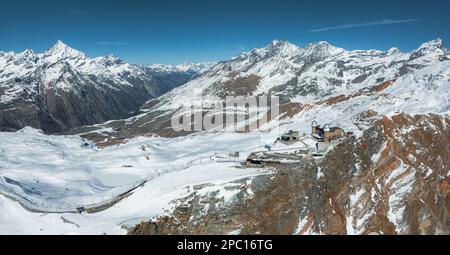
{"x": 112, "y": 57}
{"x": 431, "y": 46}
{"x": 433, "y": 49}
{"x": 393, "y": 51}
{"x": 322, "y": 48}
{"x": 319, "y": 44}
{"x": 287, "y": 49}
{"x": 111, "y": 60}
{"x": 274, "y": 48}
{"x": 186, "y": 67}
{"x": 282, "y": 46}
{"x": 437, "y": 43}
{"x": 195, "y": 67}
{"x": 60, "y": 45}
{"x": 60, "y": 50}
{"x": 27, "y": 54}
{"x": 280, "y": 43}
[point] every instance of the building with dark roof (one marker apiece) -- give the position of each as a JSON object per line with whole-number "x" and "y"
{"x": 326, "y": 132}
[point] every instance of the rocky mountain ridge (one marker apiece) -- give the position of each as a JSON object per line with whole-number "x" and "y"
{"x": 61, "y": 88}
{"x": 314, "y": 80}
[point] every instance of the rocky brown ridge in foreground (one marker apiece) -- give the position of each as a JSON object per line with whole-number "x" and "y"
{"x": 392, "y": 180}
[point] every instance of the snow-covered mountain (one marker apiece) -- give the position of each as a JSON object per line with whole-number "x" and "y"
{"x": 187, "y": 67}
{"x": 62, "y": 88}
{"x": 171, "y": 76}
{"x": 310, "y": 76}
{"x": 306, "y": 74}
{"x": 388, "y": 175}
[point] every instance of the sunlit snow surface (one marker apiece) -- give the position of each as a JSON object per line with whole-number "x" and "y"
{"x": 59, "y": 173}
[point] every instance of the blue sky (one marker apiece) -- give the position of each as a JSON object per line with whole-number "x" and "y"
{"x": 170, "y": 31}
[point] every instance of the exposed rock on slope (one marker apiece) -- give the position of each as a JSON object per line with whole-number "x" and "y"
{"x": 392, "y": 180}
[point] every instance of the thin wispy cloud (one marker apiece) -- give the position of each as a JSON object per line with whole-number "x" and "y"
{"x": 111, "y": 43}
{"x": 367, "y": 24}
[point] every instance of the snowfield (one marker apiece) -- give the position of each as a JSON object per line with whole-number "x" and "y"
{"x": 60, "y": 174}
{"x": 151, "y": 200}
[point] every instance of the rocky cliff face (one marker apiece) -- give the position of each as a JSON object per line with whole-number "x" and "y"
{"x": 394, "y": 179}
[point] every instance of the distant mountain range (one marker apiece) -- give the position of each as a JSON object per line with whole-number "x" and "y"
{"x": 306, "y": 77}
{"x": 62, "y": 88}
